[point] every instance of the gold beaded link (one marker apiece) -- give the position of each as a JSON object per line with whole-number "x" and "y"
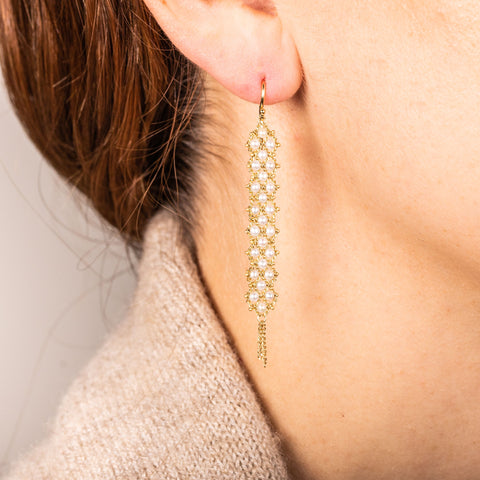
{"x": 262, "y": 231}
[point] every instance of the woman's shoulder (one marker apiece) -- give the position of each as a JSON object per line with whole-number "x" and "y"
{"x": 165, "y": 396}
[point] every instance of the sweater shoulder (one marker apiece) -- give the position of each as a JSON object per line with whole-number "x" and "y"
{"x": 165, "y": 396}
{"x": 101, "y": 424}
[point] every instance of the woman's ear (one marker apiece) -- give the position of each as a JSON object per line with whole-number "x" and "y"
{"x": 238, "y": 42}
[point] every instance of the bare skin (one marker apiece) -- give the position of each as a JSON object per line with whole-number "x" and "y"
{"x": 374, "y": 346}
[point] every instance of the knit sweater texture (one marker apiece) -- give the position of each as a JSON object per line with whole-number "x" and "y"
{"x": 166, "y": 395}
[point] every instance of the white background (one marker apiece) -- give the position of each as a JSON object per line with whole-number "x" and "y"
{"x": 64, "y": 282}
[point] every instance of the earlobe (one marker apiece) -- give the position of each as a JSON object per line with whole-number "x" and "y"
{"x": 238, "y": 43}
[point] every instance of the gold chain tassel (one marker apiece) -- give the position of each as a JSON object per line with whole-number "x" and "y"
{"x": 262, "y": 231}
{"x": 262, "y": 340}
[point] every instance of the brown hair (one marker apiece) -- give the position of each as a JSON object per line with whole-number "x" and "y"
{"x": 108, "y": 101}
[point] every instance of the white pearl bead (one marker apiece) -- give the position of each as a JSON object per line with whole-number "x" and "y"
{"x": 270, "y": 231}
{"x": 254, "y": 252}
{"x": 261, "y": 285}
{"x": 262, "y": 220}
{"x": 269, "y": 209}
{"x": 254, "y": 143}
{"x": 270, "y": 143}
{"x": 255, "y": 187}
{"x": 262, "y": 197}
{"x": 262, "y": 132}
{"x": 269, "y": 296}
{"x": 270, "y": 187}
{"x": 262, "y": 263}
{"x": 270, "y": 252}
{"x": 254, "y": 230}
{"x": 261, "y": 307}
{"x": 253, "y": 274}
{"x": 262, "y": 155}
{"x": 263, "y": 176}
{"x": 254, "y": 210}
{"x": 253, "y": 297}
{"x": 262, "y": 242}
{"x": 255, "y": 165}
{"x": 270, "y": 165}
{"x": 269, "y": 274}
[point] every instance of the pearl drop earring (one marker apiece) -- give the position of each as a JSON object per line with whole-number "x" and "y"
{"x": 262, "y": 231}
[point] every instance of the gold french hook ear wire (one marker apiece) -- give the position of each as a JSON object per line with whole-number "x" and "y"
{"x": 261, "y": 109}
{"x": 262, "y": 231}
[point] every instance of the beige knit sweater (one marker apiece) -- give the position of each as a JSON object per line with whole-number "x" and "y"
{"x": 166, "y": 396}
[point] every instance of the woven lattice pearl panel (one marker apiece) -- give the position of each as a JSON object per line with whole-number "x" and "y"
{"x": 261, "y": 274}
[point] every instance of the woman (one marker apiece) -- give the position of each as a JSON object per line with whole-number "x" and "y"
{"x": 374, "y": 342}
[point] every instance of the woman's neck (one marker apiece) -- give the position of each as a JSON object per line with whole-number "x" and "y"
{"x": 374, "y": 344}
